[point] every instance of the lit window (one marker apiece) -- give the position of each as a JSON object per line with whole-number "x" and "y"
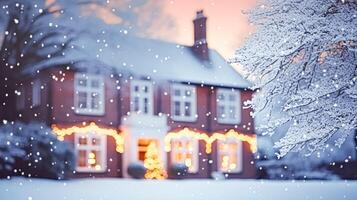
{"x": 89, "y": 94}
{"x": 183, "y": 103}
{"x": 20, "y": 98}
{"x": 141, "y": 97}
{"x": 228, "y": 106}
{"x": 91, "y": 152}
{"x": 36, "y": 93}
{"x": 143, "y": 145}
{"x": 185, "y": 151}
{"x": 230, "y": 156}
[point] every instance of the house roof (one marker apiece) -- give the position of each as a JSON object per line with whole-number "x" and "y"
{"x": 150, "y": 58}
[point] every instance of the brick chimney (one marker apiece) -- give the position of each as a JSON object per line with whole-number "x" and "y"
{"x": 200, "y": 46}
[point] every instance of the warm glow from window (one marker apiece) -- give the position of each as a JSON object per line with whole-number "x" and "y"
{"x": 185, "y": 151}
{"x": 230, "y": 155}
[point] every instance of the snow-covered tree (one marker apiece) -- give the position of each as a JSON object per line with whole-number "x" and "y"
{"x": 33, "y": 150}
{"x": 302, "y": 62}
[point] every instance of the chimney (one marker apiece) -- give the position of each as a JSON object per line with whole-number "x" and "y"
{"x": 200, "y": 46}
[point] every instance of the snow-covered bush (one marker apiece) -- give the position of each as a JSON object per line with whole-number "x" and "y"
{"x": 177, "y": 171}
{"x": 33, "y": 150}
{"x": 137, "y": 170}
{"x": 302, "y": 60}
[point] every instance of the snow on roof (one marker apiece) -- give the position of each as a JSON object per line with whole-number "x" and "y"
{"x": 149, "y": 58}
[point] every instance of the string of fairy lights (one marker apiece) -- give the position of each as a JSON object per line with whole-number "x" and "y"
{"x": 209, "y": 139}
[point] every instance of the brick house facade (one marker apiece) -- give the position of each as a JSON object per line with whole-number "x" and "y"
{"x": 114, "y": 92}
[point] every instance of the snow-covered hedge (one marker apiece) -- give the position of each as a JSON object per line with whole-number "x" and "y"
{"x": 32, "y": 150}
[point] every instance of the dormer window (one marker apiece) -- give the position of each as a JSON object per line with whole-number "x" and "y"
{"x": 141, "y": 97}
{"x": 228, "y": 106}
{"x": 183, "y": 103}
{"x": 89, "y": 94}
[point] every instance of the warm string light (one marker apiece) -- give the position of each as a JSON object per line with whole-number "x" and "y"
{"x": 92, "y": 127}
{"x": 186, "y": 132}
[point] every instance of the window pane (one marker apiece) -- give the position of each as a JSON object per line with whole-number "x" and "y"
{"x": 221, "y": 112}
{"x": 188, "y": 93}
{"x": 136, "y": 104}
{"x": 177, "y": 93}
{"x": 220, "y": 97}
{"x": 82, "y": 82}
{"x": 136, "y": 88}
{"x": 232, "y": 97}
{"x": 146, "y": 105}
{"x": 146, "y": 89}
{"x": 177, "y": 106}
{"x": 82, "y": 100}
{"x": 187, "y": 109}
{"x": 96, "y": 141}
{"x": 95, "y": 84}
{"x": 82, "y": 140}
{"x": 82, "y": 158}
{"x": 232, "y": 112}
{"x": 95, "y": 101}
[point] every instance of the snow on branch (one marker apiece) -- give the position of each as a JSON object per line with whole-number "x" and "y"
{"x": 304, "y": 53}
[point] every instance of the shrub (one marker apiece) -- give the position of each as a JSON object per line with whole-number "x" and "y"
{"x": 178, "y": 171}
{"x": 136, "y": 170}
{"x": 33, "y": 150}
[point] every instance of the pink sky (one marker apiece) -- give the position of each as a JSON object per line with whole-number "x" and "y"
{"x": 227, "y": 26}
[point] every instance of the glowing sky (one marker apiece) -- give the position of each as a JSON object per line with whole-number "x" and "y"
{"x": 227, "y": 25}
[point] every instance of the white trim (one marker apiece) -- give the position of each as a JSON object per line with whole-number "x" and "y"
{"x": 141, "y": 97}
{"x": 230, "y": 101}
{"x": 185, "y": 151}
{"x": 186, "y": 94}
{"x": 102, "y": 148}
{"x": 238, "y": 154}
{"x": 20, "y": 98}
{"x": 36, "y": 93}
{"x": 88, "y": 89}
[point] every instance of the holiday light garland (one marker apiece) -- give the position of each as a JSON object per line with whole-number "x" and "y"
{"x": 186, "y": 132}
{"x": 92, "y": 127}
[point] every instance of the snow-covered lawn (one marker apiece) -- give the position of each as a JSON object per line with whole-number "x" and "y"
{"x": 127, "y": 189}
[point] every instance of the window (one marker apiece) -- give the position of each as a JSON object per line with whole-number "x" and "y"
{"x": 20, "y": 98}
{"x": 141, "y": 97}
{"x": 228, "y": 106}
{"x": 230, "y": 156}
{"x": 89, "y": 94}
{"x": 91, "y": 152}
{"x": 183, "y": 103}
{"x": 143, "y": 145}
{"x": 185, "y": 151}
{"x": 36, "y": 93}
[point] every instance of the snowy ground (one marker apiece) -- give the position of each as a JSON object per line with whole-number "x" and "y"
{"x": 125, "y": 189}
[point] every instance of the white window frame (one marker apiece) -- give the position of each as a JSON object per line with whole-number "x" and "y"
{"x": 193, "y": 152}
{"x": 227, "y": 105}
{"x": 20, "y": 98}
{"x": 141, "y": 95}
{"x": 183, "y": 99}
{"x": 238, "y": 154}
{"x": 36, "y": 93}
{"x": 88, "y": 89}
{"x": 102, "y": 148}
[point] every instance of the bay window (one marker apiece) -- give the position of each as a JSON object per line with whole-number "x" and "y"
{"x": 228, "y": 106}
{"x": 183, "y": 103}
{"x": 141, "y": 97}
{"x": 184, "y": 151}
{"x": 230, "y": 156}
{"x": 89, "y": 94}
{"x": 91, "y": 152}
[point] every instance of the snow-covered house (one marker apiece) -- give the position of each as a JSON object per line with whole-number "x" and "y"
{"x": 122, "y": 93}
